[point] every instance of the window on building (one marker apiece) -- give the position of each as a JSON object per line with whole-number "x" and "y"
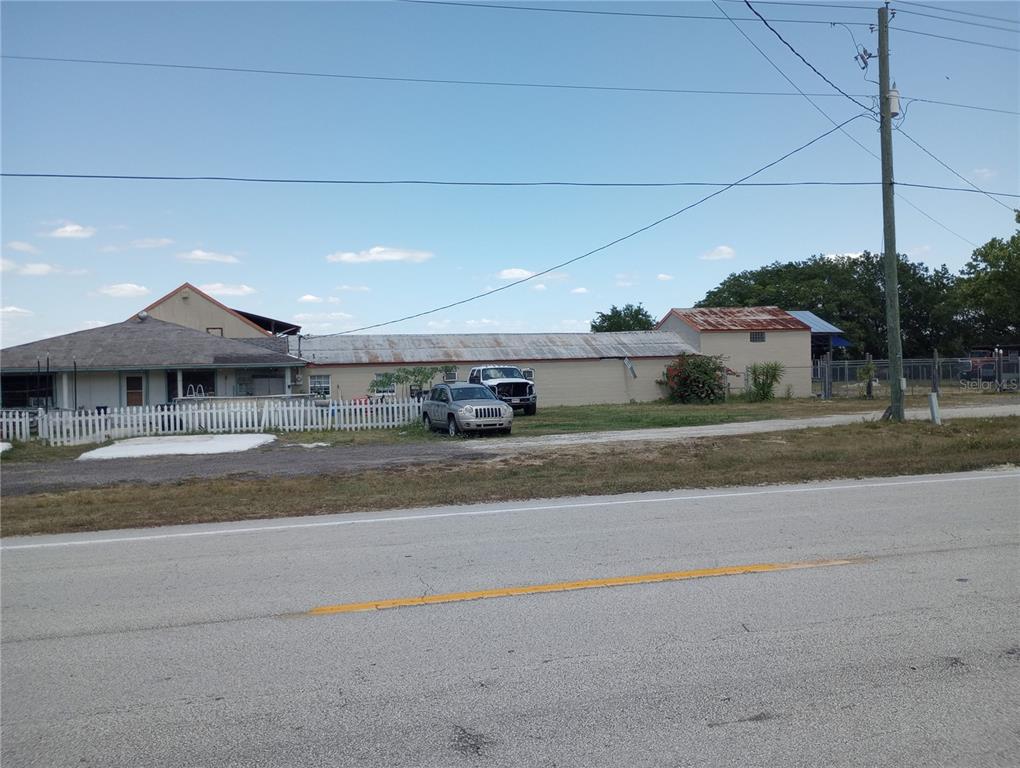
{"x": 757, "y": 336}
{"x": 319, "y": 384}
{"x": 214, "y": 331}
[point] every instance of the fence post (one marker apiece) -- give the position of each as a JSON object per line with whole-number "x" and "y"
{"x": 870, "y": 386}
{"x": 936, "y": 373}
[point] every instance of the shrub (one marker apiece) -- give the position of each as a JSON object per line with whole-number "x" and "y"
{"x": 764, "y": 378}
{"x": 695, "y": 379}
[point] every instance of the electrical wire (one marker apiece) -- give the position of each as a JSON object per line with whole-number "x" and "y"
{"x": 494, "y": 83}
{"x": 955, "y": 39}
{"x": 943, "y": 9}
{"x": 457, "y": 183}
{"x": 844, "y": 132}
{"x": 952, "y": 170}
{"x": 611, "y": 243}
{"x": 806, "y": 62}
{"x": 590, "y": 12}
{"x": 957, "y": 21}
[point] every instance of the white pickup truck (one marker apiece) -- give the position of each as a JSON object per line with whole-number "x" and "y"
{"x": 509, "y": 383}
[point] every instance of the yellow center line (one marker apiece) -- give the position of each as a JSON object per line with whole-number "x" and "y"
{"x": 569, "y": 586}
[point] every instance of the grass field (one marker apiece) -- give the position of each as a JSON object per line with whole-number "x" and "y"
{"x": 859, "y": 450}
{"x": 587, "y": 418}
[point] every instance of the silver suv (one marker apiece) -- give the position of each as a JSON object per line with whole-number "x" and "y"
{"x": 509, "y": 383}
{"x": 463, "y": 407}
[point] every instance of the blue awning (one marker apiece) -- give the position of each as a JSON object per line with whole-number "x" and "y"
{"x": 839, "y": 341}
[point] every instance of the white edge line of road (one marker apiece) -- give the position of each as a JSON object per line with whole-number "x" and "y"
{"x": 983, "y": 476}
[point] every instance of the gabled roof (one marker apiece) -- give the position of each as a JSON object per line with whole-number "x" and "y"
{"x": 813, "y": 321}
{"x": 481, "y": 348}
{"x": 260, "y": 323}
{"x": 737, "y": 319}
{"x": 140, "y": 344}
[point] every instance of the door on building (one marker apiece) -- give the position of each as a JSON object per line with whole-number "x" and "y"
{"x": 135, "y": 386}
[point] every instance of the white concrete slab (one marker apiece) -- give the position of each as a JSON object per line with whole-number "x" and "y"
{"x": 5, "y": 447}
{"x": 177, "y": 445}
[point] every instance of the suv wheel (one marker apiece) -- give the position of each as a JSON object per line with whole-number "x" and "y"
{"x": 427, "y": 421}
{"x": 451, "y": 426}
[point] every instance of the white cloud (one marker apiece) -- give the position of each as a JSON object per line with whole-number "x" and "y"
{"x": 575, "y": 325}
{"x": 6, "y": 265}
{"x": 124, "y": 290}
{"x": 625, "y": 280}
{"x": 201, "y": 256}
{"x": 12, "y": 311}
{"x": 72, "y": 230}
{"x": 438, "y": 324}
{"x": 847, "y": 255}
{"x": 984, "y": 174}
{"x": 22, "y": 247}
{"x": 87, "y": 325}
{"x": 333, "y": 300}
{"x": 663, "y": 277}
{"x": 514, "y": 273}
{"x": 918, "y": 251}
{"x": 579, "y": 290}
{"x": 379, "y": 253}
{"x": 538, "y": 287}
{"x": 309, "y": 299}
{"x": 222, "y": 289}
{"x": 355, "y": 288}
{"x": 719, "y": 253}
{"x": 484, "y": 322}
{"x": 37, "y": 270}
{"x": 151, "y": 242}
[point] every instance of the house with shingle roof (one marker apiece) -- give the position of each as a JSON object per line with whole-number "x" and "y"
{"x": 141, "y": 361}
{"x": 743, "y": 336}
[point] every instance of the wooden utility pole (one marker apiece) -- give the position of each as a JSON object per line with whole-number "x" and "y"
{"x": 892, "y": 295}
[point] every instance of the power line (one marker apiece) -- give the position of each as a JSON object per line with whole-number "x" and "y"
{"x": 589, "y": 12}
{"x": 493, "y": 83}
{"x": 964, "y": 106}
{"x": 844, "y": 132}
{"x": 460, "y": 183}
{"x": 960, "y": 13}
{"x": 608, "y": 245}
{"x": 957, "y": 21}
{"x": 952, "y": 170}
{"x": 386, "y": 78}
{"x": 806, "y": 62}
{"x": 857, "y": 7}
{"x": 955, "y": 39}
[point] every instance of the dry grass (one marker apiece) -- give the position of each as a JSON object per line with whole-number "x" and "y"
{"x": 861, "y": 450}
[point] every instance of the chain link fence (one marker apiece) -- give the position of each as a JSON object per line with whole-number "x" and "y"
{"x": 859, "y": 378}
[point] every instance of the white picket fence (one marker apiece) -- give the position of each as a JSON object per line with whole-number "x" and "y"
{"x": 15, "y": 425}
{"x": 70, "y": 428}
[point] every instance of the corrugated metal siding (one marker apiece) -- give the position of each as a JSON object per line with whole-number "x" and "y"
{"x": 482, "y": 348}
{"x": 740, "y": 319}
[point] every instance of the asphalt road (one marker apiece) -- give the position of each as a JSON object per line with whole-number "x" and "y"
{"x": 194, "y": 646}
{"x": 278, "y": 460}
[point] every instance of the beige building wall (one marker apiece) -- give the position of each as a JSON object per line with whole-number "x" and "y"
{"x": 791, "y": 348}
{"x": 200, "y": 313}
{"x": 558, "y": 382}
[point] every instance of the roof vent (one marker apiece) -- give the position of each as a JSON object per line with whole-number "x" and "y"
{"x": 185, "y": 294}
{"x": 143, "y": 315}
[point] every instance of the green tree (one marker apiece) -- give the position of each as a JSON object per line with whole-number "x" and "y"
{"x": 849, "y": 292}
{"x": 626, "y": 318}
{"x": 989, "y": 293}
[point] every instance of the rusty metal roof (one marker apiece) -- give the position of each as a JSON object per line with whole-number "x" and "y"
{"x": 424, "y": 349}
{"x": 738, "y": 319}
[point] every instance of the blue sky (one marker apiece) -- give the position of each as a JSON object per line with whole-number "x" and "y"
{"x": 81, "y": 253}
